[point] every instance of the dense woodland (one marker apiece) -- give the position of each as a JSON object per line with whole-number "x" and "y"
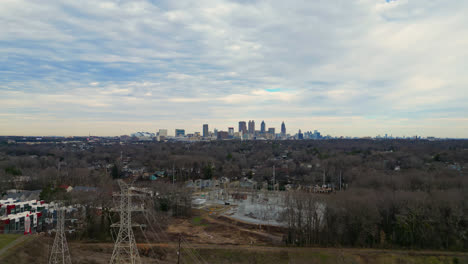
{"x": 394, "y": 193}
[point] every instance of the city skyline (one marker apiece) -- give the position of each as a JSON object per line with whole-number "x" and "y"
{"x": 353, "y": 68}
{"x": 275, "y": 129}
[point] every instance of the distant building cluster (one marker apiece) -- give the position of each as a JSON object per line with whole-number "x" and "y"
{"x": 245, "y": 131}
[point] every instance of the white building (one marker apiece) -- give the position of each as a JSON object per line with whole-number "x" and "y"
{"x": 162, "y": 132}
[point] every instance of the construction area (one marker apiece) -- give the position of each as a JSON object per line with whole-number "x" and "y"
{"x": 232, "y": 245}
{"x": 226, "y": 226}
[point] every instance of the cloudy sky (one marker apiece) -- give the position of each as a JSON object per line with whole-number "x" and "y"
{"x": 351, "y": 68}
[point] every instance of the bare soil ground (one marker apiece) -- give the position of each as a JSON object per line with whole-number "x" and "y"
{"x": 220, "y": 230}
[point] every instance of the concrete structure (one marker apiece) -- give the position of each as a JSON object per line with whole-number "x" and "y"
{"x": 143, "y": 135}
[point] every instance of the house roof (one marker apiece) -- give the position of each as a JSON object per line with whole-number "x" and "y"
{"x": 85, "y": 189}
{"x": 24, "y": 195}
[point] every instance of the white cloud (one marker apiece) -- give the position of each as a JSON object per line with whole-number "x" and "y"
{"x": 176, "y": 59}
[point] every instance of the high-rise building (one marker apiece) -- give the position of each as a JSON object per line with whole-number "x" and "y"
{"x": 271, "y": 130}
{"x": 179, "y": 132}
{"x": 262, "y": 127}
{"x": 205, "y": 130}
{"x": 283, "y": 129}
{"x": 242, "y": 127}
{"x": 162, "y": 133}
{"x": 251, "y": 127}
{"x": 231, "y": 131}
{"x": 317, "y": 135}
{"x": 222, "y": 135}
{"x": 300, "y": 135}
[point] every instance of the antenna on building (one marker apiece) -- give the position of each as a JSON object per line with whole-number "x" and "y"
{"x": 125, "y": 248}
{"x": 60, "y": 253}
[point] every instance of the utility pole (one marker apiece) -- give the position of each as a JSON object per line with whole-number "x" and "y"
{"x": 125, "y": 248}
{"x": 60, "y": 253}
{"x": 274, "y": 176}
{"x": 178, "y": 252}
{"x": 340, "y": 180}
{"x": 274, "y": 179}
{"x": 323, "y": 178}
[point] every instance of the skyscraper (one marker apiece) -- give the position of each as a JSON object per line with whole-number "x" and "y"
{"x": 283, "y": 129}
{"x": 251, "y": 127}
{"x": 231, "y": 131}
{"x": 271, "y": 133}
{"x": 205, "y": 130}
{"x": 242, "y": 127}
{"x": 300, "y": 135}
{"x": 262, "y": 127}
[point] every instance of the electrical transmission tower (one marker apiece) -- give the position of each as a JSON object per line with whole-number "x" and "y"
{"x": 60, "y": 253}
{"x": 125, "y": 248}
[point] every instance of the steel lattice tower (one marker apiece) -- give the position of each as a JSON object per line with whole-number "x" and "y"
{"x": 125, "y": 248}
{"x": 60, "y": 253}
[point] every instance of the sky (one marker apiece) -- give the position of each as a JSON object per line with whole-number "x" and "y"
{"x": 345, "y": 68}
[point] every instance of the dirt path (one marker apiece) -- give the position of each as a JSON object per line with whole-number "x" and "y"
{"x": 275, "y": 239}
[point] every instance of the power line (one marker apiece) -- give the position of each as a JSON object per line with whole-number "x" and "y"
{"x": 125, "y": 248}
{"x": 60, "y": 253}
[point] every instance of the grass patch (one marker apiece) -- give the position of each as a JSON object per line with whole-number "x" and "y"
{"x": 199, "y": 221}
{"x": 316, "y": 256}
{"x": 6, "y": 239}
{"x": 226, "y": 256}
